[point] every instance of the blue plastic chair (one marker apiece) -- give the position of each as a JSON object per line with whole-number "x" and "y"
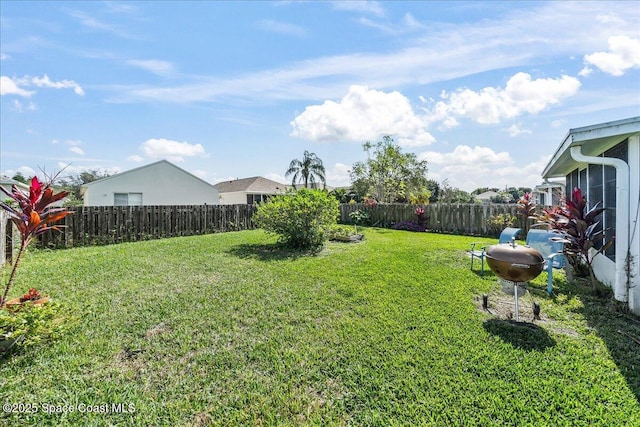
{"x": 545, "y": 242}
{"x": 506, "y": 236}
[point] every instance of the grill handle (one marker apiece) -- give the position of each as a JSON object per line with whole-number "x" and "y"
{"x": 520, "y": 265}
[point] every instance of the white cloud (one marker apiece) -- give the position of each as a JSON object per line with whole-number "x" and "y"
{"x": 45, "y": 81}
{"x": 26, "y": 171}
{"x": 372, "y": 7}
{"x": 161, "y": 68}
{"x": 338, "y": 175}
{"x": 135, "y": 158}
{"x": 543, "y": 33}
{"x": 73, "y": 169}
{"x": 623, "y": 54}
{"x": 463, "y": 155}
{"x": 521, "y": 95}
{"x": 558, "y": 123}
{"x": 283, "y": 28}
{"x": 516, "y": 129}
{"x": 278, "y": 178}
{"x": 77, "y": 150}
{"x": 20, "y": 107}
{"x": 586, "y": 71}
{"x": 362, "y": 115}
{"x": 11, "y": 87}
{"x": 171, "y": 150}
{"x": 470, "y": 168}
{"x": 3, "y": 56}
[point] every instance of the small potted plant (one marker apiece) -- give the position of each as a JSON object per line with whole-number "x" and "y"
{"x": 31, "y": 297}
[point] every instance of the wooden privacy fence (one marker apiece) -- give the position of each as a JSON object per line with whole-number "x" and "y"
{"x": 440, "y": 217}
{"x": 100, "y": 225}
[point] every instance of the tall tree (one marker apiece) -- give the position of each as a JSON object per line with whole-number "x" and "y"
{"x": 388, "y": 174}
{"x": 308, "y": 171}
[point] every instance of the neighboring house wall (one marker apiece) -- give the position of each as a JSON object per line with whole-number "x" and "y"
{"x": 548, "y": 194}
{"x": 160, "y": 183}
{"x": 486, "y": 196}
{"x": 248, "y": 190}
{"x": 616, "y": 184}
{"x": 8, "y": 183}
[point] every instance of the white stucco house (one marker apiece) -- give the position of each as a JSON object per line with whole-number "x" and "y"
{"x": 549, "y": 193}
{"x": 486, "y": 196}
{"x": 603, "y": 160}
{"x": 8, "y": 183}
{"x": 248, "y": 190}
{"x": 161, "y": 183}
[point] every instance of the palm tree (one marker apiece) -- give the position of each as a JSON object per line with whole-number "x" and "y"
{"x": 308, "y": 171}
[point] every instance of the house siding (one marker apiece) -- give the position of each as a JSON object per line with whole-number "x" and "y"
{"x": 161, "y": 184}
{"x": 620, "y": 140}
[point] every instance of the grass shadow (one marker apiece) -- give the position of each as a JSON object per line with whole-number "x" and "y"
{"x": 525, "y": 336}
{"x": 612, "y": 321}
{"x": 268, "y": 252}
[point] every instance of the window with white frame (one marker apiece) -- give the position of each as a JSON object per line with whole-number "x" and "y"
{"x": 127, "y": 199}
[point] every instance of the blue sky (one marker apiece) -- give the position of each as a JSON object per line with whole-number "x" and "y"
{"x": 484, "y": 91}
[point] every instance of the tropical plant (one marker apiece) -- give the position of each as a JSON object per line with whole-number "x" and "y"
{"x": 388, "y": 174}
{"x": 497, "y": 223}
{"x": 33, "y": 214}
{"x": 526, "y": 208}
{"x": 301, "y": 219}
{"x": 577, "y": 226}
{"x": 359, "y": 216}
{"x": 309, "y": 171}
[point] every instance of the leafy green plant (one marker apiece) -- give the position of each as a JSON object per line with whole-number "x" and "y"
{"x": 577, "y": 227}
{"x": 31, "y": 324}
{"x": 497, "y": 223}
{"x": 301, "y": 219}
{"x": 343, "y": 233}
{"x": 33, "y": 214}
{"x": 360, "y": 216}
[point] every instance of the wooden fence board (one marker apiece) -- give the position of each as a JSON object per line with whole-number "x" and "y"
{"x": 108, "y": 225}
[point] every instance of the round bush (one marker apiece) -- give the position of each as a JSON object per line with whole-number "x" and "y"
{"x": 302, "y": 219}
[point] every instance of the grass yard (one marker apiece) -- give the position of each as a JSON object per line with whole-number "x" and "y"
{"x": 227, "y": 330}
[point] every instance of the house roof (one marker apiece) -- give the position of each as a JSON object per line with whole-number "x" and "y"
{"x": 150, "y": 165}
{"x": 594, "y": 139}
{"x": 254, "y": 184}
{"x": 6, "y": 181}
{"x": 486, "y": 195}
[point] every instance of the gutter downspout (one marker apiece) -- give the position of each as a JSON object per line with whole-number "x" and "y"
{"x": 622, "y": 215}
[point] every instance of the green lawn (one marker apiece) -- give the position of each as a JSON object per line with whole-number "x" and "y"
{"x": 226, "y": 330}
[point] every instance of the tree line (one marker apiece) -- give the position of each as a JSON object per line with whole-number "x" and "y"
{"x": 389, "y": 175}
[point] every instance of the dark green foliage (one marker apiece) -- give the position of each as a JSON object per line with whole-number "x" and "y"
{"x": 389, "y": 175}
{"x": 301, "y": 219}
{"x": 497, "y": 223}
{"x": 309, "y": 171}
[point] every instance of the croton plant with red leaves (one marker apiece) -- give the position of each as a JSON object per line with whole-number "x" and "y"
{"x": 578, "y": 227}
{"x": 33, "y": 216}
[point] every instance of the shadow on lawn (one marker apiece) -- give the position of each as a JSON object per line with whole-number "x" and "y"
{"x": 268, "y": 252}
{"x": 615, "y": 325}
{"x": 526, "y": 336}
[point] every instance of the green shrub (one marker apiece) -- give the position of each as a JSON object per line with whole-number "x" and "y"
{"x": 302, "y": 219}
{"x": 497, "y": 223}
{"x": 343, "y": 233}
{"x": 32, "y": 324}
